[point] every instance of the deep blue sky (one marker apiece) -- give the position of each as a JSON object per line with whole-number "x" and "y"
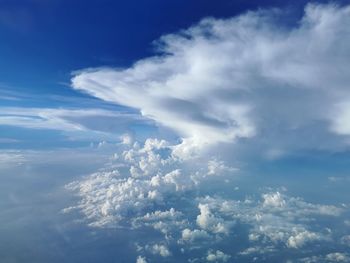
{"x": 43, "y": 41}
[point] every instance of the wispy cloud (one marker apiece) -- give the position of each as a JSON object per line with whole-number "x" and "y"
{"x": 69, "y": 120}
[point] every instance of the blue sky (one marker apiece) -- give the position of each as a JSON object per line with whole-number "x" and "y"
{"x": 174, "y": 131}
{"x": 44, "y": 42}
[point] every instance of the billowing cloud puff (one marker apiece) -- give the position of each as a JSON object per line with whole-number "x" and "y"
{"x": 207, "y": 221}
{"x": 145, "y": 176}
{"x": 250, "y": 76}
{"x": 217, "y": 256}
{"x": 141, "y": 260}
{"x": 331, "y": 257}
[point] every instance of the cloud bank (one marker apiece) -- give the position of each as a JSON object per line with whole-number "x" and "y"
{"x": 147, "y": 188}
{"x": 250, "y": 76}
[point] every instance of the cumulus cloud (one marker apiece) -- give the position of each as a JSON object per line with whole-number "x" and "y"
{"x": 277, "y": 220}
{"x": 249, "y": 76}
{"x": 162, "y": 250}
{"x": 143, "y": 188}
{"x": 217, "y": 256}
{"x": 194, "y": 235}
{"x": 300, "y": 238}
{"x": 151, "y": 174}
{"x": 273, "y": 199}
{"x": 331, "y": 257}
{"x": 338, "y": 257}
{"x": 141, "y": 260}
{"x": 207, "y": 221}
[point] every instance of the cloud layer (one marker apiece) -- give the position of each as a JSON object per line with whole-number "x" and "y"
{"x": 147, "y": 188}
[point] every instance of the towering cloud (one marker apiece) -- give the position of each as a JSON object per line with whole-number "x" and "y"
{"x": 250, "y": 76}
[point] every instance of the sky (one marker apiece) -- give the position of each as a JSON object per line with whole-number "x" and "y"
{"x": 174, "y": 131}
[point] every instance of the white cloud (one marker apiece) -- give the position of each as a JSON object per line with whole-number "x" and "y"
{"x": 194, "y": 235}
{"x": 250, "y": 76}
{"x": 341, "y": 123}
{"x": 300, "y": 238}
{"x": 162, "y": 250}
{"x": 150, "y": 176}
{"x": 217, "y": 256}
{"x": 126, "y": 139}
{"x": 258, "y": 250}
{"x": 99, "y": 122}
{"x": 216, "y": 167}
{"x": 338, "y": 257}
{"x": 331, "y": 257}
{"x": 273, "y": 200}
{"x": 277, "y": 220}
{"x": 141, "y": 260}
{"x": 167, "y": 222}
{"x": 207, "y": 221}
{"x": 11, "y": 158}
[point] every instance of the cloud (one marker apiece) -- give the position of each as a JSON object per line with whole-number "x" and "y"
{"x": 300, "y": 238}
{"x": 141, "y": 260}
{"x": 338, "y": 257}
{"x": 193, "y": 236}
{"x": 11, "y": 158}
{"x": 273, "y": 199}
{"x": 162, "y": 250}
{"x": 248, "y": 77}
{"x": 148, "y": 188}
{"x": 277, "y": 220}
{"x": 151, "y": 174}
{"x": 75, "y": 122}
{"x": 207, "y": 221}
{"x": 217, "y": 256}
{"x": 331, "y": 257}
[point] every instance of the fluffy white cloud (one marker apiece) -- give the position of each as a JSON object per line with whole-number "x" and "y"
{"x": 207, "y": 221}
{"x": 217, "y": 256}
{"x": 338, "y": 257}
{"x": 273, "y": 200}
{"x": 194, "y": 235}
{"x": 277, "y": 220}
{"x": 300, "y": 238}
{"x": 167, "y": 222}
{"x": 162, "y": 250}
{"x": 141, "y": 260}
{"x": 150, "y": 174}
{"x": 331, "y": 257}
{"x": 250, "y": 76}
{"x": 216, "y": 167}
